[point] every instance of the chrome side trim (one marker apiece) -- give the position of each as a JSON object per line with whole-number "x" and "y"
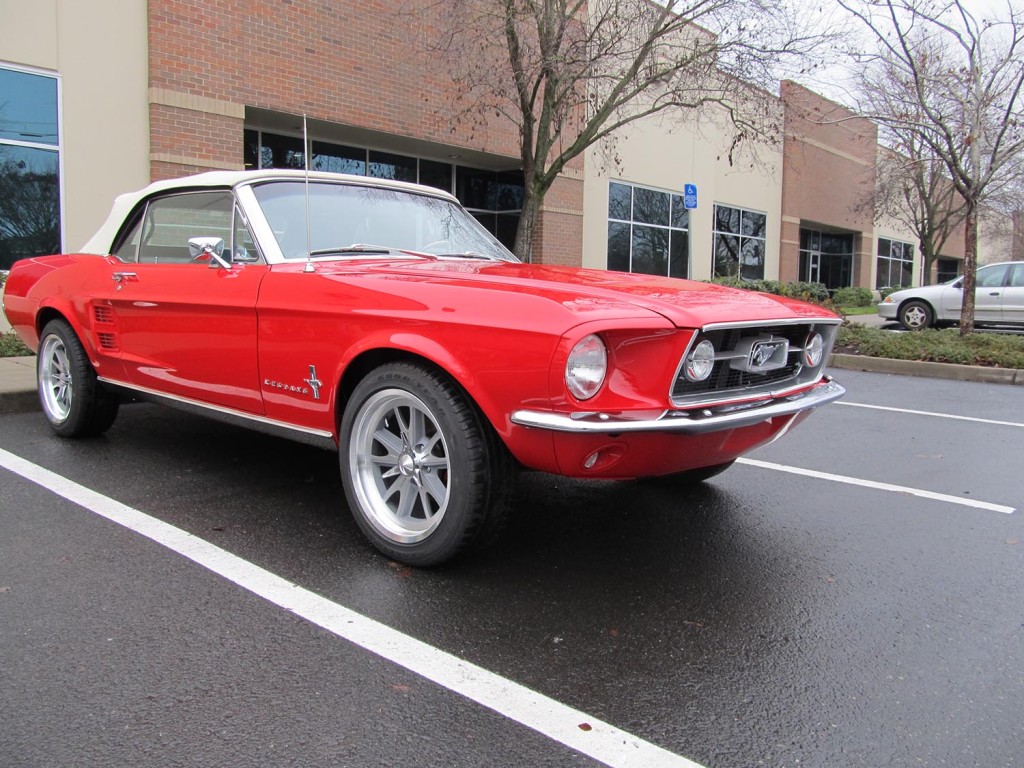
{"x": 694, "y": 423}
{"x": 315, "y": 437}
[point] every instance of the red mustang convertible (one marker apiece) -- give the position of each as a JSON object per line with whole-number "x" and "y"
{"x": 380, "y": 320}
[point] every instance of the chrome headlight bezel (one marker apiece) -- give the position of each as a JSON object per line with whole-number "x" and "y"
{"x": 700, "y": 361}
{"x": 814, "y": 349}
{"x": 586, "y": 367}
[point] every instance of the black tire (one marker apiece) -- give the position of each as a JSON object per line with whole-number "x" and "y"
{"x": 690, "y": 476}
{"x": 74, "y": 402}
{"x": 425, "y": 476}
{"x": 916, "y": 315}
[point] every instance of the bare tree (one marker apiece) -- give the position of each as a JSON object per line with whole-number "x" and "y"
{"x": 913, "y": 188}
{"x": 956, "y": 84}
{"x": 569, "y": 73}
{"x": 29, "y": 212}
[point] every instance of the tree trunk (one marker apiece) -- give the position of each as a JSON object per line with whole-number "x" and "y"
{"x": 928, "y": 257}
{"x": 970, "y": 267}
{"x": 532, "y": 201}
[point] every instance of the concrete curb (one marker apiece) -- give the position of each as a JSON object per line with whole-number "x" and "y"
{"x": 947, "y": 371}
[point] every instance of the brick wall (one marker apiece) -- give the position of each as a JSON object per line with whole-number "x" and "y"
{"x": 828, "y": 177}
{"x": 558, "y": 238}
{"x": 349, "y": 63}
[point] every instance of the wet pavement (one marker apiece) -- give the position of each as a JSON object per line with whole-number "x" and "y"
{"x": 765, "y": 618}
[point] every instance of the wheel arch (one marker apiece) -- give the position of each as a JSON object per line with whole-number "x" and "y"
{"x": 368, "y": 360}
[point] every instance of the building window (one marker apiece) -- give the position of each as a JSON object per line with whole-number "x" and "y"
{"x": 895, "y": 264}
{"x": 495, "y": 198}
{"x": 30, "y": 220}
{"x": 827, "y": 258}
{"x": 739, "y": 243}
{"x": 946, "y": 270}
{"x": 648, "y": 231}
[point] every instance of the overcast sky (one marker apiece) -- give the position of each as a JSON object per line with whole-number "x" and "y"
{"x": 834, "y": 80}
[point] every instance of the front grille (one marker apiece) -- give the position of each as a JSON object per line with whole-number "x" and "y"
{"x": 727, "y": 381}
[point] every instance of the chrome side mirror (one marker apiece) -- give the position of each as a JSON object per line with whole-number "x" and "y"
{"x": 212, "y": 248}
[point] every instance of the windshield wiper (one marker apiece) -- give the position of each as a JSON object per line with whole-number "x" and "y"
{"x": 370, "y": 250}
{"x": 468, "y": 255}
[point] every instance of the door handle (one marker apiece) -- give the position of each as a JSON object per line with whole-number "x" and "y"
{"x": 119, "y": 277}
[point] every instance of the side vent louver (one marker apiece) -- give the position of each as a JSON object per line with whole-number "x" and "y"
{"x": 106, "y": 337}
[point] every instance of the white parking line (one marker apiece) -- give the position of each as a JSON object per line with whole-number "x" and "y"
{"x": 577, "y": 730}
{"x": 932, "y": 413}
{"x": 879, "y": 486}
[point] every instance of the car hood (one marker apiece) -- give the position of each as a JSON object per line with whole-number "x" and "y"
{"x": 685, "y": 303}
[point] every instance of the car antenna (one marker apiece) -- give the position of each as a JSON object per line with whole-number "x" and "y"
{"x": 305, "y": 155}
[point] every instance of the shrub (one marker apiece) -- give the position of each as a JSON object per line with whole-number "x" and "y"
{"x": 807, "y": 291}
{"x": 854, "y": 297}
{"x": 936, "y": 346}
{"x": 12, "y": 346}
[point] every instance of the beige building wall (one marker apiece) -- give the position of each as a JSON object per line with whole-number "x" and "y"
{"x": 666, "y": 154}
{"x": 99, "y": 51}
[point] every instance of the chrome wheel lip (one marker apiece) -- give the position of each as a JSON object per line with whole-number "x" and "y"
{"x": 400, "y": 466}
{"x": 56, "y": 386}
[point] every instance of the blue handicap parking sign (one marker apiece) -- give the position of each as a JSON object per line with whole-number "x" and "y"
{"x": 690, "y": 195}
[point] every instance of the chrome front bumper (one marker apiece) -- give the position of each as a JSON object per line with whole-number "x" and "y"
{"x": 695, "y": 422}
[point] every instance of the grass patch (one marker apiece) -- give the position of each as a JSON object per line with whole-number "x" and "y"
{"x": 12, "y": 346}
{"x": 872, "y": 310}
{"x": 935, "y": 346}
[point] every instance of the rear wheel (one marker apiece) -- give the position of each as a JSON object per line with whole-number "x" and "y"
{"x": 915, "y": 315}
{"x": 74, "y": 402}
{"x": 424, "y": 474}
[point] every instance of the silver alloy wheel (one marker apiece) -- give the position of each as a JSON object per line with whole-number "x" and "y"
{"x": 915, "y": 317}
{"x": 55, "y": 382}
{"x": 400, "y": 466}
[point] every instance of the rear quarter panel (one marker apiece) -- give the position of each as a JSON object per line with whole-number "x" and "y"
{"x": 66, "y": 286}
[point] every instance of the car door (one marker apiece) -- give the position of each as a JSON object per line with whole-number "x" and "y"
{"x": 988, "y": 295}
{"x": 1013, "y": 296}
{"x": 186, "y": 319}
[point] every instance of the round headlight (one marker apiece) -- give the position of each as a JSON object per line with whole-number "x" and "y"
{"x": 586, "y": 367}
{"x": 813, "y": 350}
{"x": 700, "y": 361}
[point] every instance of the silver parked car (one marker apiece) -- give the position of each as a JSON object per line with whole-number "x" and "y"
{"x": 998, "y": 299}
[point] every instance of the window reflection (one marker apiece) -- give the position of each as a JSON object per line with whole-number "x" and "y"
{"x": 28, "y": 107}
{"x": 338, "y": 159}
{"x": 648, "y": 231}
{"x": 29, "y": 203}
{"x": 739, "y": 243}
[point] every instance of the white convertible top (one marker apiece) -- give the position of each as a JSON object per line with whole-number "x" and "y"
{"x": 101, "y": 242}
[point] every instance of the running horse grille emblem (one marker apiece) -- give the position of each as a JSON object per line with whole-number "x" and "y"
{"x": 761, "y": 354}
{"x": 769, "y": 355}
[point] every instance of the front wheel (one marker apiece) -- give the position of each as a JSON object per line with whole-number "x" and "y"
{"x": 74, "y": 402}
{"x": 424, "y": 474}
{"x": 915, "y": 315}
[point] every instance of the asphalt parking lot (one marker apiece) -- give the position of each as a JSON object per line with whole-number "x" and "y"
{"x": 185, "y": 593}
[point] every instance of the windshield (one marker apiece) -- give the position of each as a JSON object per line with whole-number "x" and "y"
{"x": 346, "y": 215}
